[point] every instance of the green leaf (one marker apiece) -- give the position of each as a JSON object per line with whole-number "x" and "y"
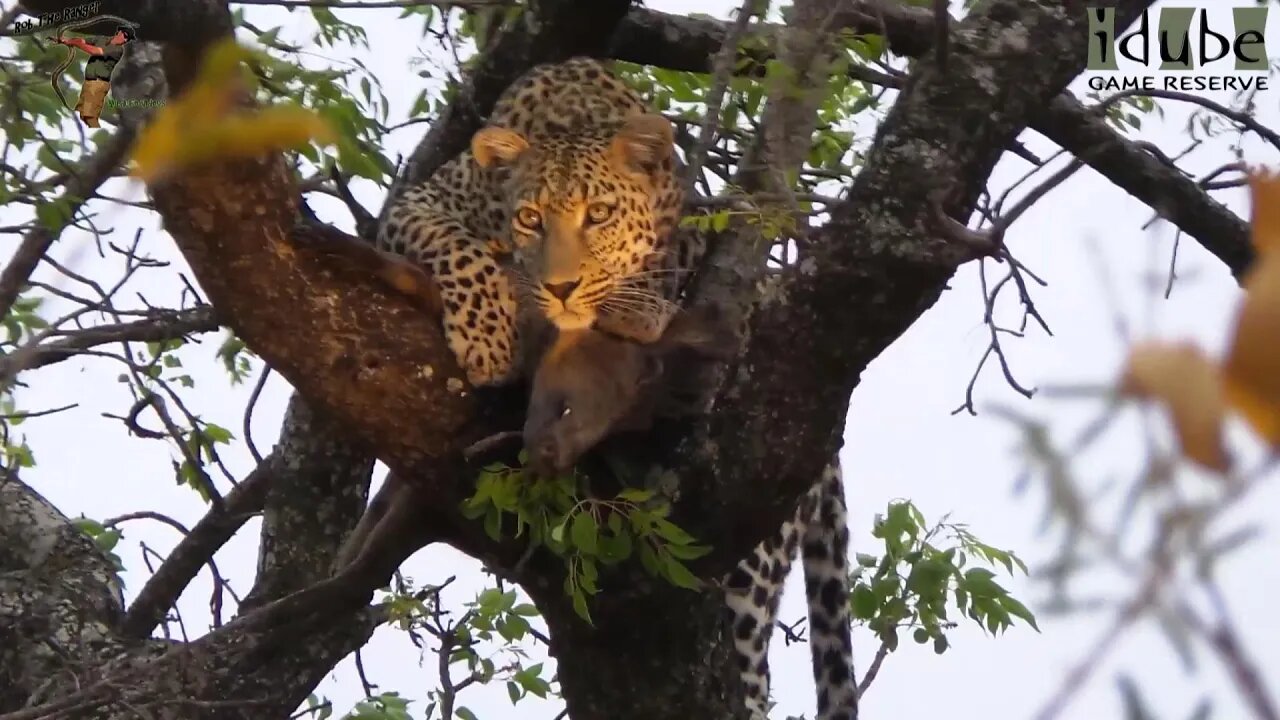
{"x": 890, "y": 638}
{"x": 525, "y": 610}
{"x": 464, "y": 714}
{"x": 870, "y": 47}
{"x": 1017, "y": 609}
{"x": 585, "y": 534}
{"x": 636, "y": 495}
{"x": 670, "y": 532}
{"x": 580, "y": 606}
{"x": 649, "y": 560}
{"x": 514, "y": 628}
{"x": 616, "y": 548}
{"x": 587, "y": 575}
{"x": 217, "y": 433}
{"x": 493, "y": 524}
{"x": 688, "y": 552}
{"x": 88, "y": 526}
{"x": 108, "y": 539}
{"x": 679, "y": 575}
{"x": 864, "y": 602}
{"x": 53, "y": 215}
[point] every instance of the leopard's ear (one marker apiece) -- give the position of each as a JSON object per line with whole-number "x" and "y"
{"x": 497, "y": 144}
{"x": 644, "y": 142}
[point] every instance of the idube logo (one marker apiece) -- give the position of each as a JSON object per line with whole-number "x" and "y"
{"x": 1229, "y": 49}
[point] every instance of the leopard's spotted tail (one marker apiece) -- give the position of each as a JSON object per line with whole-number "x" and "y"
{"x": 824, "y": 550}
{"x": 754, "y": 589}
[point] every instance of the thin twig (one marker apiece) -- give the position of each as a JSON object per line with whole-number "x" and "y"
{"x": 82, "y": 185}
{"x": 722, "y": 72}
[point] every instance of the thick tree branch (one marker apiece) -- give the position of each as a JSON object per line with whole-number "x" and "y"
{"x": 194, "y": 550}
{"x": 682, "y": 43}
{"x": 1172, "y": 194}
{"x": 54, "y": 577}
{"x": 876, "y": 266}
{"x": 311, "y": 508}
{"x": 162, "y": 325}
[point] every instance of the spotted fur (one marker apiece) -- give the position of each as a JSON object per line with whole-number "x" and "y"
{"x": 568, "y": 202}
{"x": 572, "y": 189}
{"x": 753, "y": 591}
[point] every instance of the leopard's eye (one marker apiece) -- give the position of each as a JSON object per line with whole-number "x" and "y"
{"x": 598, "y": 212}
{"x": 566, "y": 412}
{"x": 528, "y": 218}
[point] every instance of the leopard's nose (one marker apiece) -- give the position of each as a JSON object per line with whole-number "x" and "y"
{"x": 563, "y": 290}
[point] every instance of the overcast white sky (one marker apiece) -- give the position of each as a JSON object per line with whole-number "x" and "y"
{"x": 901, "y": 439}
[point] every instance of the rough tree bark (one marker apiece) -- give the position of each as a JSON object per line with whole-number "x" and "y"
{"x": 364, "y": 360}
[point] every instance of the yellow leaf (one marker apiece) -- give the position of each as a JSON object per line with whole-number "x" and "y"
{"x": 274, "y": 128}
{"x": 1251, "y": 372}
{"x": 202, "y": 125}
{"x": 1264, "y": 187}
{"x": 1186, "y": 382}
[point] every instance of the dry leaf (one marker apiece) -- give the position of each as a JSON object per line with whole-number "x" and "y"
{"x": 1186, "y": 382}
{"x": 1264, "y": 191}
{"x": 202, "y": 125}
{"x": 1251, "y": 372}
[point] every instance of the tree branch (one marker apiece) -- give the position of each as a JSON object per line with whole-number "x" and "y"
{"x": 312, "y": 507}
{"x": 564, "y": 28}
{"x": 95, "y": 171}
{"x": 877, "y": 265}
{"x": 1173, "y": 195}
{"x": 163, "y": 325}
{"x": 681, "y": 43}
{"x": 163, "y": 588}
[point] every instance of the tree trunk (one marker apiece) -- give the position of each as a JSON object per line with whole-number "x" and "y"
{"x": 654, "y": 653}
{"x": 360, "y": 357}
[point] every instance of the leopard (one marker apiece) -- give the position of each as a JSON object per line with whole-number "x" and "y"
{"x": 567, "y": 205}
{"x": 565, "y": 201}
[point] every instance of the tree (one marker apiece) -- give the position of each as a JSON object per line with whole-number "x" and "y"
{"x": 363, "y": 359}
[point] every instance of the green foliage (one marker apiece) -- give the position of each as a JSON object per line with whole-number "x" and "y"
{"x": 915, "y": 581}
{"x": 586, "y": 533}
{"x": 161, "y": 356}
{"x": 235, "y": 358}
{"x": 105, "y": 538}
{"x": 201, "y": 444}
{"x": 386, "y": 706}
{"x": 350, "y": 98}
{"x": 772, "y": 219}
{"x": 1127, "y": 112}
{"x": 18, "y": 455}
{"x": 23, "y": 322}
{"x": 495, "y": 617}
{"x": 495, "y": 612}
{"x": 317, "y": 708}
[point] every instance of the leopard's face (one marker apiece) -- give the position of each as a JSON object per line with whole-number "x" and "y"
{"x": 584, "y": 213}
